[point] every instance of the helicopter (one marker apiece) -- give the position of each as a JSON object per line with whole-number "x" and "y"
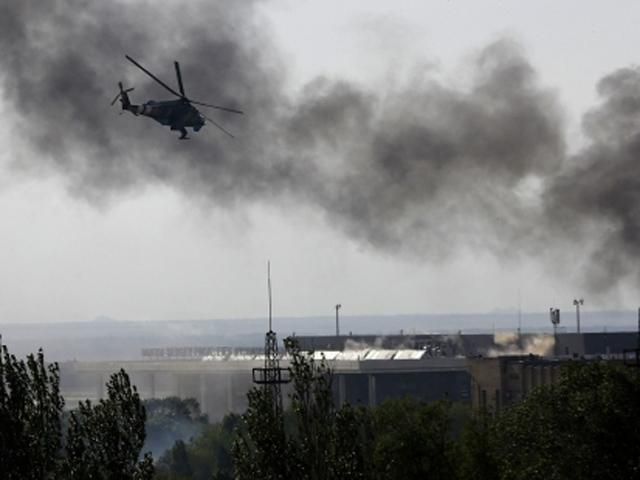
{"x": 177, "y": 114}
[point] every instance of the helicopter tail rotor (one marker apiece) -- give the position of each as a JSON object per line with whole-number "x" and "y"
{"x": 123, "y": 96}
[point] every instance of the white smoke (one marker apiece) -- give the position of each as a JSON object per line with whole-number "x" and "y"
{"x": 511, "y": 343}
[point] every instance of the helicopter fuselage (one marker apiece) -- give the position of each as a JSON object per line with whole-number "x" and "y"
{"x": 177, "y": 114}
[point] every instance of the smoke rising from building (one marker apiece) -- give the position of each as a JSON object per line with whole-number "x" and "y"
{"x": 510, "y": 343}
{"x": 419, "y": 170}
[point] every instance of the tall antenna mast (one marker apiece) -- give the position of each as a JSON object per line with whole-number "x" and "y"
{"x": 271, "y": 376}
{"x": 269, "y": 291}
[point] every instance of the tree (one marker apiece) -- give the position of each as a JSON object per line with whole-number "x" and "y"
{"x": 354, "y": 443}
{"x": 260, "y": 451}
{"x": 586, "y": 426}
{"x": 103, "y": 441}
{"x": 30, "y": 411}
{"x": 474, "y": 449}
{"x": 177, "y": 461}
{"x": 413, "y": 440}
{"x": 313, "y": 415}
{"x": 313, "y": 441}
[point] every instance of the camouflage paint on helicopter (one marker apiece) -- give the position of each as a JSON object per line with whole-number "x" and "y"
{"x": 177, "y": 114}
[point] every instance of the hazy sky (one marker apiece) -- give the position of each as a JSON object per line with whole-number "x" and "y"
{"x": 150, "y": 251}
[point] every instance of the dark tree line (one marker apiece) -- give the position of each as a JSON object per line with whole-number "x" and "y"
{"x": 317, "y": 440}
{"x": 38, "y": 440}
{"x": 308, "y": 442}
{"x": 585, "y": 426}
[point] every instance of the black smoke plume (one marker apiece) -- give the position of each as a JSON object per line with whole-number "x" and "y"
{"x": 420, "y": 170}
{"x": 597, "y": 196}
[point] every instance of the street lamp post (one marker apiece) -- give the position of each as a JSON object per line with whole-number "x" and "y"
{"x": 338, "y": 307}
{"x": 577, "y": 303}
{"x": 554, "y": 314}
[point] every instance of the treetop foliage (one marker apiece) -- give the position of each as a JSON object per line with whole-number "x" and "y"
{"x": 586, "y": 426}
{"x": 103, "y": 441}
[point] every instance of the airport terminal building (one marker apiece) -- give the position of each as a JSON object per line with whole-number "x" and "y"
{"x": 488, "y": 371}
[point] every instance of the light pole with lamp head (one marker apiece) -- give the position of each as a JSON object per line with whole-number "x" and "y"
{"x": 554, "y": 314}
{"x": 577, "y": 303}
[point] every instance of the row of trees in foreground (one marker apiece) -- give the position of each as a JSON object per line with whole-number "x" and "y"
{"x": 39, "y": 440}
{"x": 586, "y": 426}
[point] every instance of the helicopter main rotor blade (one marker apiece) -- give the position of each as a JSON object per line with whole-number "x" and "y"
{"x": 218, "y": 125}
{"x": 177, "y": 65}
{"x": 154, "y": 77}
{"x": 182, "y": 95}
{"x": 218, "y": 107}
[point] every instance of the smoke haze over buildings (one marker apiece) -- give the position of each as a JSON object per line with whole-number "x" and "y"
{"x": 420, "y": 169}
